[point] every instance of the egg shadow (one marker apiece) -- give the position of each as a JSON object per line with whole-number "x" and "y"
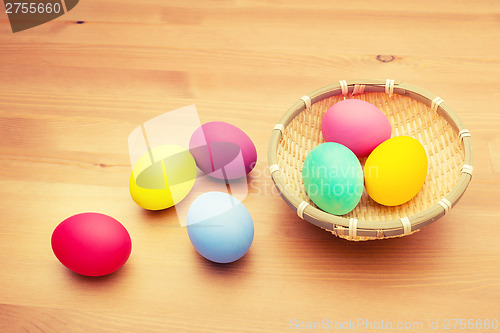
{"x": 231, "y": 274}
{"x": 160, "y": 217}
{"x": 96, "y": 283}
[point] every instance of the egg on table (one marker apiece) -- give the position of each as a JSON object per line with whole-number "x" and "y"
{"x": 162, "y": 177}
{"x": 395, "y": 171}
{"x": 333, "y": 178}
{"x": 91, "y": 244}
{"x": 356, "y": 124}
{"x": 222, "y": 150}
{"x": 220, "y": 227}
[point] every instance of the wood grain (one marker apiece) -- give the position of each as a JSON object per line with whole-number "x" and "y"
{"x": 71, "y": 93}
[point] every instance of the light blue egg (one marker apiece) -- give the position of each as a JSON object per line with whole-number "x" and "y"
{"x": 333, "y": 178}
{"x": 220, "y": 227}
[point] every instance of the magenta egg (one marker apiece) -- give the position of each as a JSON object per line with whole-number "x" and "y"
{"x": 222, "y": 150}
{"x": 91, "y": 244}
{"x": 356, "y": 124}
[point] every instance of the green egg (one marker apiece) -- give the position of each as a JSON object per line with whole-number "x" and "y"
{"x": 333, "y": 178}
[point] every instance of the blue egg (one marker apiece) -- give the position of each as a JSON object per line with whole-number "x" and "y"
{"x": 220, "y": 227}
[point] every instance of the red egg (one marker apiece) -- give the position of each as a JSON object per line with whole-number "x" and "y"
{"x": 91, "y": 244}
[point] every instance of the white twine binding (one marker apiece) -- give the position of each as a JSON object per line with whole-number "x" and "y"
{"x": 358, "y": 89}
{"x": 446, "y": 204}
{"x": 279, "y": 127}
{"x": 463, "y": 134}
{"x": 343, "y": 86}
{"x": 435, "y": 103}
{"x": 468, "y": 169}
{"x": 406, "y": 225}
{"x": 353, "y": 224}
{"x": 273, "y": 168}
{"x": 301, "y": 208}
{"x": 307, "y": 101}
{"x": 389, "y": 87}
{"x": 338, "y": 230}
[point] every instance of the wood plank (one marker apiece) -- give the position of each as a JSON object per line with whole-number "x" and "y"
{"x": 71, "y": 93}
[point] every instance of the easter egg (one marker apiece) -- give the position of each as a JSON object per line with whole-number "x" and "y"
{"x": 220, "y": 227}
{"x": 162, "y": 177}
{"x": 395, "y": 170}
{"x": 91, "y": 244}
{"x": 222, "y": 150}
{"x": 333, "y": 178}
{"x": 358, "y": 125}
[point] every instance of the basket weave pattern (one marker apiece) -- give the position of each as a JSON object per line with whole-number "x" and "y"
{"x": 412, "y": 111}
{"x": 407, "y": 117}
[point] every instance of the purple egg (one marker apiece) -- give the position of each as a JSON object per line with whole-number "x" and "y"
{"x": 222, "y": 150}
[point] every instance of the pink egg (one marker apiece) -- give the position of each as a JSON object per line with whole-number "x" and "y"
{"x": 222, "y": 150}
{"x": 91, "y": 244}
{"x": 356, "y": 124}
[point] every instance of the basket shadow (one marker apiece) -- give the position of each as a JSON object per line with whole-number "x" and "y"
{"x": 405, "y": 256}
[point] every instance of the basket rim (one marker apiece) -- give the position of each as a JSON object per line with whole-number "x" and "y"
{"x": 377, "y": 229}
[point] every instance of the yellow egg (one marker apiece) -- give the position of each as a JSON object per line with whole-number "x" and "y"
{"x": 162, "y": 177}
{"x": 395, "y": 171}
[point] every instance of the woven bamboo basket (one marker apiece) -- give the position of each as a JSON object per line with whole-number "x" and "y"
{"x": 412, "y": 111}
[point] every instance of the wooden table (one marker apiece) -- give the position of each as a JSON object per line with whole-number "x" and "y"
{"x": 71, "y": 94}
